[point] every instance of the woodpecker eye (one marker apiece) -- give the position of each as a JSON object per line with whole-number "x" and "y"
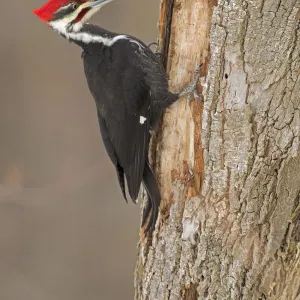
{"x": 75, "y": 5}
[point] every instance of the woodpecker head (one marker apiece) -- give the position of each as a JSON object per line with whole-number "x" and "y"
{"x": 67, "y": 15}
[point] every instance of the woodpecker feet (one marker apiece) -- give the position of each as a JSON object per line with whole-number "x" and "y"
{"x": 192, "y": 88}
{"x": 156, "y": 50}
{"x": 153, "y": 43}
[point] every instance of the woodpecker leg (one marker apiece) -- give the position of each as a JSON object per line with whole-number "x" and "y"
{"x": 191, "y": 89}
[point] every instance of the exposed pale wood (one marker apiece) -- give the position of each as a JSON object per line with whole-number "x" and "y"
{"x": 179, "y": 151}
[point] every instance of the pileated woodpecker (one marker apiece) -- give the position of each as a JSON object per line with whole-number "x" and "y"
{"x": 130, "y": 88}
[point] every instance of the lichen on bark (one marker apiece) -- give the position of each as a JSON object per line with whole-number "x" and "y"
{"x": 237, "y": 234}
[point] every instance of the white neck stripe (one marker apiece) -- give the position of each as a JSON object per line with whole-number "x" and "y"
{"x": 89, "y": 38}
{"x": 85, "y": 37}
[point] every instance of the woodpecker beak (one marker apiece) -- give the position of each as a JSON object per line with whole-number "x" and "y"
{"x": 95, "y": 4}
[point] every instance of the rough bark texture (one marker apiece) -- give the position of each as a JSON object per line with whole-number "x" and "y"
{"x": 235, "y": 232}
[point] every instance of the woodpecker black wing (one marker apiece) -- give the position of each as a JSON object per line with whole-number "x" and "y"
{"x": 124, "y": 108}
{"x": 111, "y": 153}
{"x": 130, "y": 139}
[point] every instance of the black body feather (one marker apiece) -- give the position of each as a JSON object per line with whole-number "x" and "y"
{"x": 130, "y": 88}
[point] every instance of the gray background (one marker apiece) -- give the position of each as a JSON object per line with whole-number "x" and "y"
{"x": 65, "y": 231}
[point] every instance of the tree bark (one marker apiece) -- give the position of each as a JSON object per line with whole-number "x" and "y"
{"x": 233, "y": 231}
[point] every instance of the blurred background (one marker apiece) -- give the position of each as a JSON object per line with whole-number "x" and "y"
{"x": 65, "y": 231}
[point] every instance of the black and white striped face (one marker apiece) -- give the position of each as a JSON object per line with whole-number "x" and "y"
{"x": 66, "y": 10}
{"x": 69, "y": 16}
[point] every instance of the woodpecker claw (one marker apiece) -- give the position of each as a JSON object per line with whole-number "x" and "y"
{"x": 153, "y": 43}
{"x": 156, "y": 50}
{"x": 192, "y": 88}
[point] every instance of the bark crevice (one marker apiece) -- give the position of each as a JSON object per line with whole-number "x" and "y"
{"x": 237, "y": 236}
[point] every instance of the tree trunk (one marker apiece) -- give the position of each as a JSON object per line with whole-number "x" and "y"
{"x": 232, "y": 232}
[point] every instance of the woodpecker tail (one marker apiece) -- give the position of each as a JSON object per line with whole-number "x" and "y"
{"x": 153, "y": 202}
